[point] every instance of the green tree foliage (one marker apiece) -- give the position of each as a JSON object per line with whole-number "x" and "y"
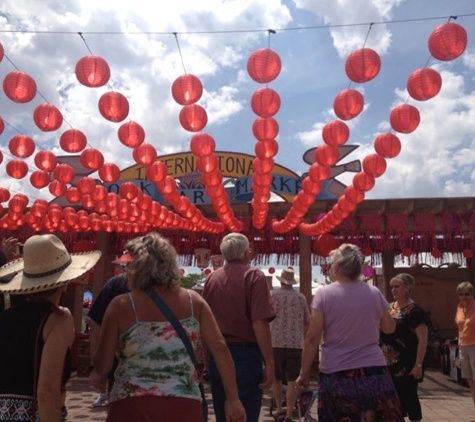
{"x": 191, "y": 280}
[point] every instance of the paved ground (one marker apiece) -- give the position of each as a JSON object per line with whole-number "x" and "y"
{"x": 442, "y": 400}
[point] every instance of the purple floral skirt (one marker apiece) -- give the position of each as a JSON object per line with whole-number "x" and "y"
{"x": 356, "y": 395}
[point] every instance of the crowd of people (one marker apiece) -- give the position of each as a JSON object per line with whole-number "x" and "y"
{"x": 145, "y": 328}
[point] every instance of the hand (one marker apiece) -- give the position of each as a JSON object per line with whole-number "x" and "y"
{"x": 234, "y": 411}
{"x": 269, "y": 378}
{"x": 8, "y": 247}
{"x": 416, "y": 372}
{"x": 302, "y": 382}
{"x": 97, "y": 381}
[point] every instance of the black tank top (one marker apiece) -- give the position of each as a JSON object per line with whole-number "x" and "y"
{"x": 18, "y": 329}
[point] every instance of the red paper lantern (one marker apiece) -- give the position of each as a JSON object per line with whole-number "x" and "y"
{"x": 318, "y": 173}
{"x": 17, "y": 169}
{"x": 387, "y": 145}
{"x": 1, "y": 157}
{"x": 91, "y": 159}
{"x": 157, "y": 171}
{"x": 348, "y": 104}
{"x": 86, "y": 185}
{"x": 109, "y": 173}
{"x": 424, "y": 84}
{"x": 167, "y": 186}
{"x": 354, "y": 195}
{"x": 335, "y": 133}
{"x": 131, "y": 134}
{"x": 19, "y": 87}
{"x": 448, "y": 41}
{"x": 21, "y": 146}
{"x": 187, "y": 89}
{"x": 57, "y": 188}
{"x": 202, "y": 144}
{"x": 73, "y": 195}
{"x": 467, "y": 253}
{"x": 265, "y": 128}
{"x": 264, "y": 65}
{"x": 73, "y": 140}
{"x": 404, "y": 118}
{"x": 64, "y": 173}
{"x": 4, "y": 194}
{"x": 145, "y": 154}
{"x": 362, "y": 65}
{"x": 113, "y": 106}
{"x": 374, "y": 165}
{"x": 262, "y": 166}
{"x": 2, "y": 125}
{"x": 271, "y": 270}
{"x": 310, "y": 187}
{"x": 92, "y": 71}
{"x": 39, "y": 179}
{"x": 212, "y": 178}
{"x": 324, "y": 244}
{"x": 407, "y": 252}
{"x": 327, "y": 155}
{"x": 2, "y": 52}
{"x": 128, "y": 190}
{"x": 363, "y": 181}
{"x": 265, "y": 102}
{"x": 99, "y": 193}
{"x": 266, "y": 149}
{"x": 47, "y": 117}
{"x": 18, "y": 203}
{"x": 207, "y": 163}
{"x": 193, "y": 118}
{"x": 45, "y": 160}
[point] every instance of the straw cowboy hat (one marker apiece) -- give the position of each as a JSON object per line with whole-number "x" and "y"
{"x": 46, "y": 264}
{"x": 287, "y": 277}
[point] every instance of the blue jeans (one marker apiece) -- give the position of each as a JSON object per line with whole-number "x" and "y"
{"x": 249, "y": 374}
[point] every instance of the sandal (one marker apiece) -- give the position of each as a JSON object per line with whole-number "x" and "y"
{"x": 280, "y": 416}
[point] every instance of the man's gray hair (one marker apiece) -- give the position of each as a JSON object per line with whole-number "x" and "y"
{"x": 234, "y": 246}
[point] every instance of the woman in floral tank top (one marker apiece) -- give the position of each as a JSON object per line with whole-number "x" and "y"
{"x": 155, "y": 378}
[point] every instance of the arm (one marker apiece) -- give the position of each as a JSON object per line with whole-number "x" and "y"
{"x": 214, "y": 342}
{"x": 310, "y": 349}
{"x": 421, "y": 333}
{"x": 95, "y": 379}
{"x": 103, "y": 358}
{"x": 262, "y": 331}
{"x": 387, "y": 324}
{"x": 58, "y": 336}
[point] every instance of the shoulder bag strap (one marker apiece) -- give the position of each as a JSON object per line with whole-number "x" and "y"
{"x": 170, "y": 316}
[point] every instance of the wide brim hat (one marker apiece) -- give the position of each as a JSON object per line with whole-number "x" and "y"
{"x": 46, "y": 264}
{"x": 288, "y": 277}
{"x": 124, "y": 259}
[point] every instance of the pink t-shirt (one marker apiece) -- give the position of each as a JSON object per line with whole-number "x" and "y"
{"x": 352, "y": 312}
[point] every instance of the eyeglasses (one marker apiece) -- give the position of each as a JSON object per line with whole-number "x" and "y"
{"x": 464, "y": 294}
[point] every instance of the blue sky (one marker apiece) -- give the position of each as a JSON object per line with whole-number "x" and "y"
{"x": 216, "y": 37}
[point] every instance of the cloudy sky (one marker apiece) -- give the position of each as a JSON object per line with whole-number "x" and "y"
{"x": 215, "y": 39}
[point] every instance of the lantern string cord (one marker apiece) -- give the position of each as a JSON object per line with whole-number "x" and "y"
{"x": 85, "y": 43}
{"x": 179, "y": 51}
{"x": 235, "y": 31}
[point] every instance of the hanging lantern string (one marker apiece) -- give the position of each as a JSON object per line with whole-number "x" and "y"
{"x": 364, "y": 43}
{"x": 270, "y": 32}
{"x": 179, "y": 51}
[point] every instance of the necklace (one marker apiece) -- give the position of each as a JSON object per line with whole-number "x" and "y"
{"x": 398, "y": 307}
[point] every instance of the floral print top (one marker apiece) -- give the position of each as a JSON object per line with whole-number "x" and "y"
{"x": 400, "y": 347}
{"x": 153, "y": 360}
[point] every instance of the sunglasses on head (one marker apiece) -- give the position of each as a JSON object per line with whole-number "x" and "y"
{"x": 464, "y": 294}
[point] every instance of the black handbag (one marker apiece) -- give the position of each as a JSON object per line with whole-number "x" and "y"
{"x": 184, "y": 338}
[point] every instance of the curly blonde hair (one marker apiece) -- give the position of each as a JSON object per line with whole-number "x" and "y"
{"x": 155, "y": 262}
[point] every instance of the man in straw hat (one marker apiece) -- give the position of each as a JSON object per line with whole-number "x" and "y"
{"x": 37, "y": 334}
{"x": 287, "y": 331}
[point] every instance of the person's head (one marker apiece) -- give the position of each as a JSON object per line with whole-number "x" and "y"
{"x": 465, "y": 292}
{"x": 287, "y": 277}
{"x": 235, "y": 247}
{"x": 346, "y": 261}
{"x": 46, "y": 265}
{"x": 154, "y": 262}
{"x": 402, "y": 285}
